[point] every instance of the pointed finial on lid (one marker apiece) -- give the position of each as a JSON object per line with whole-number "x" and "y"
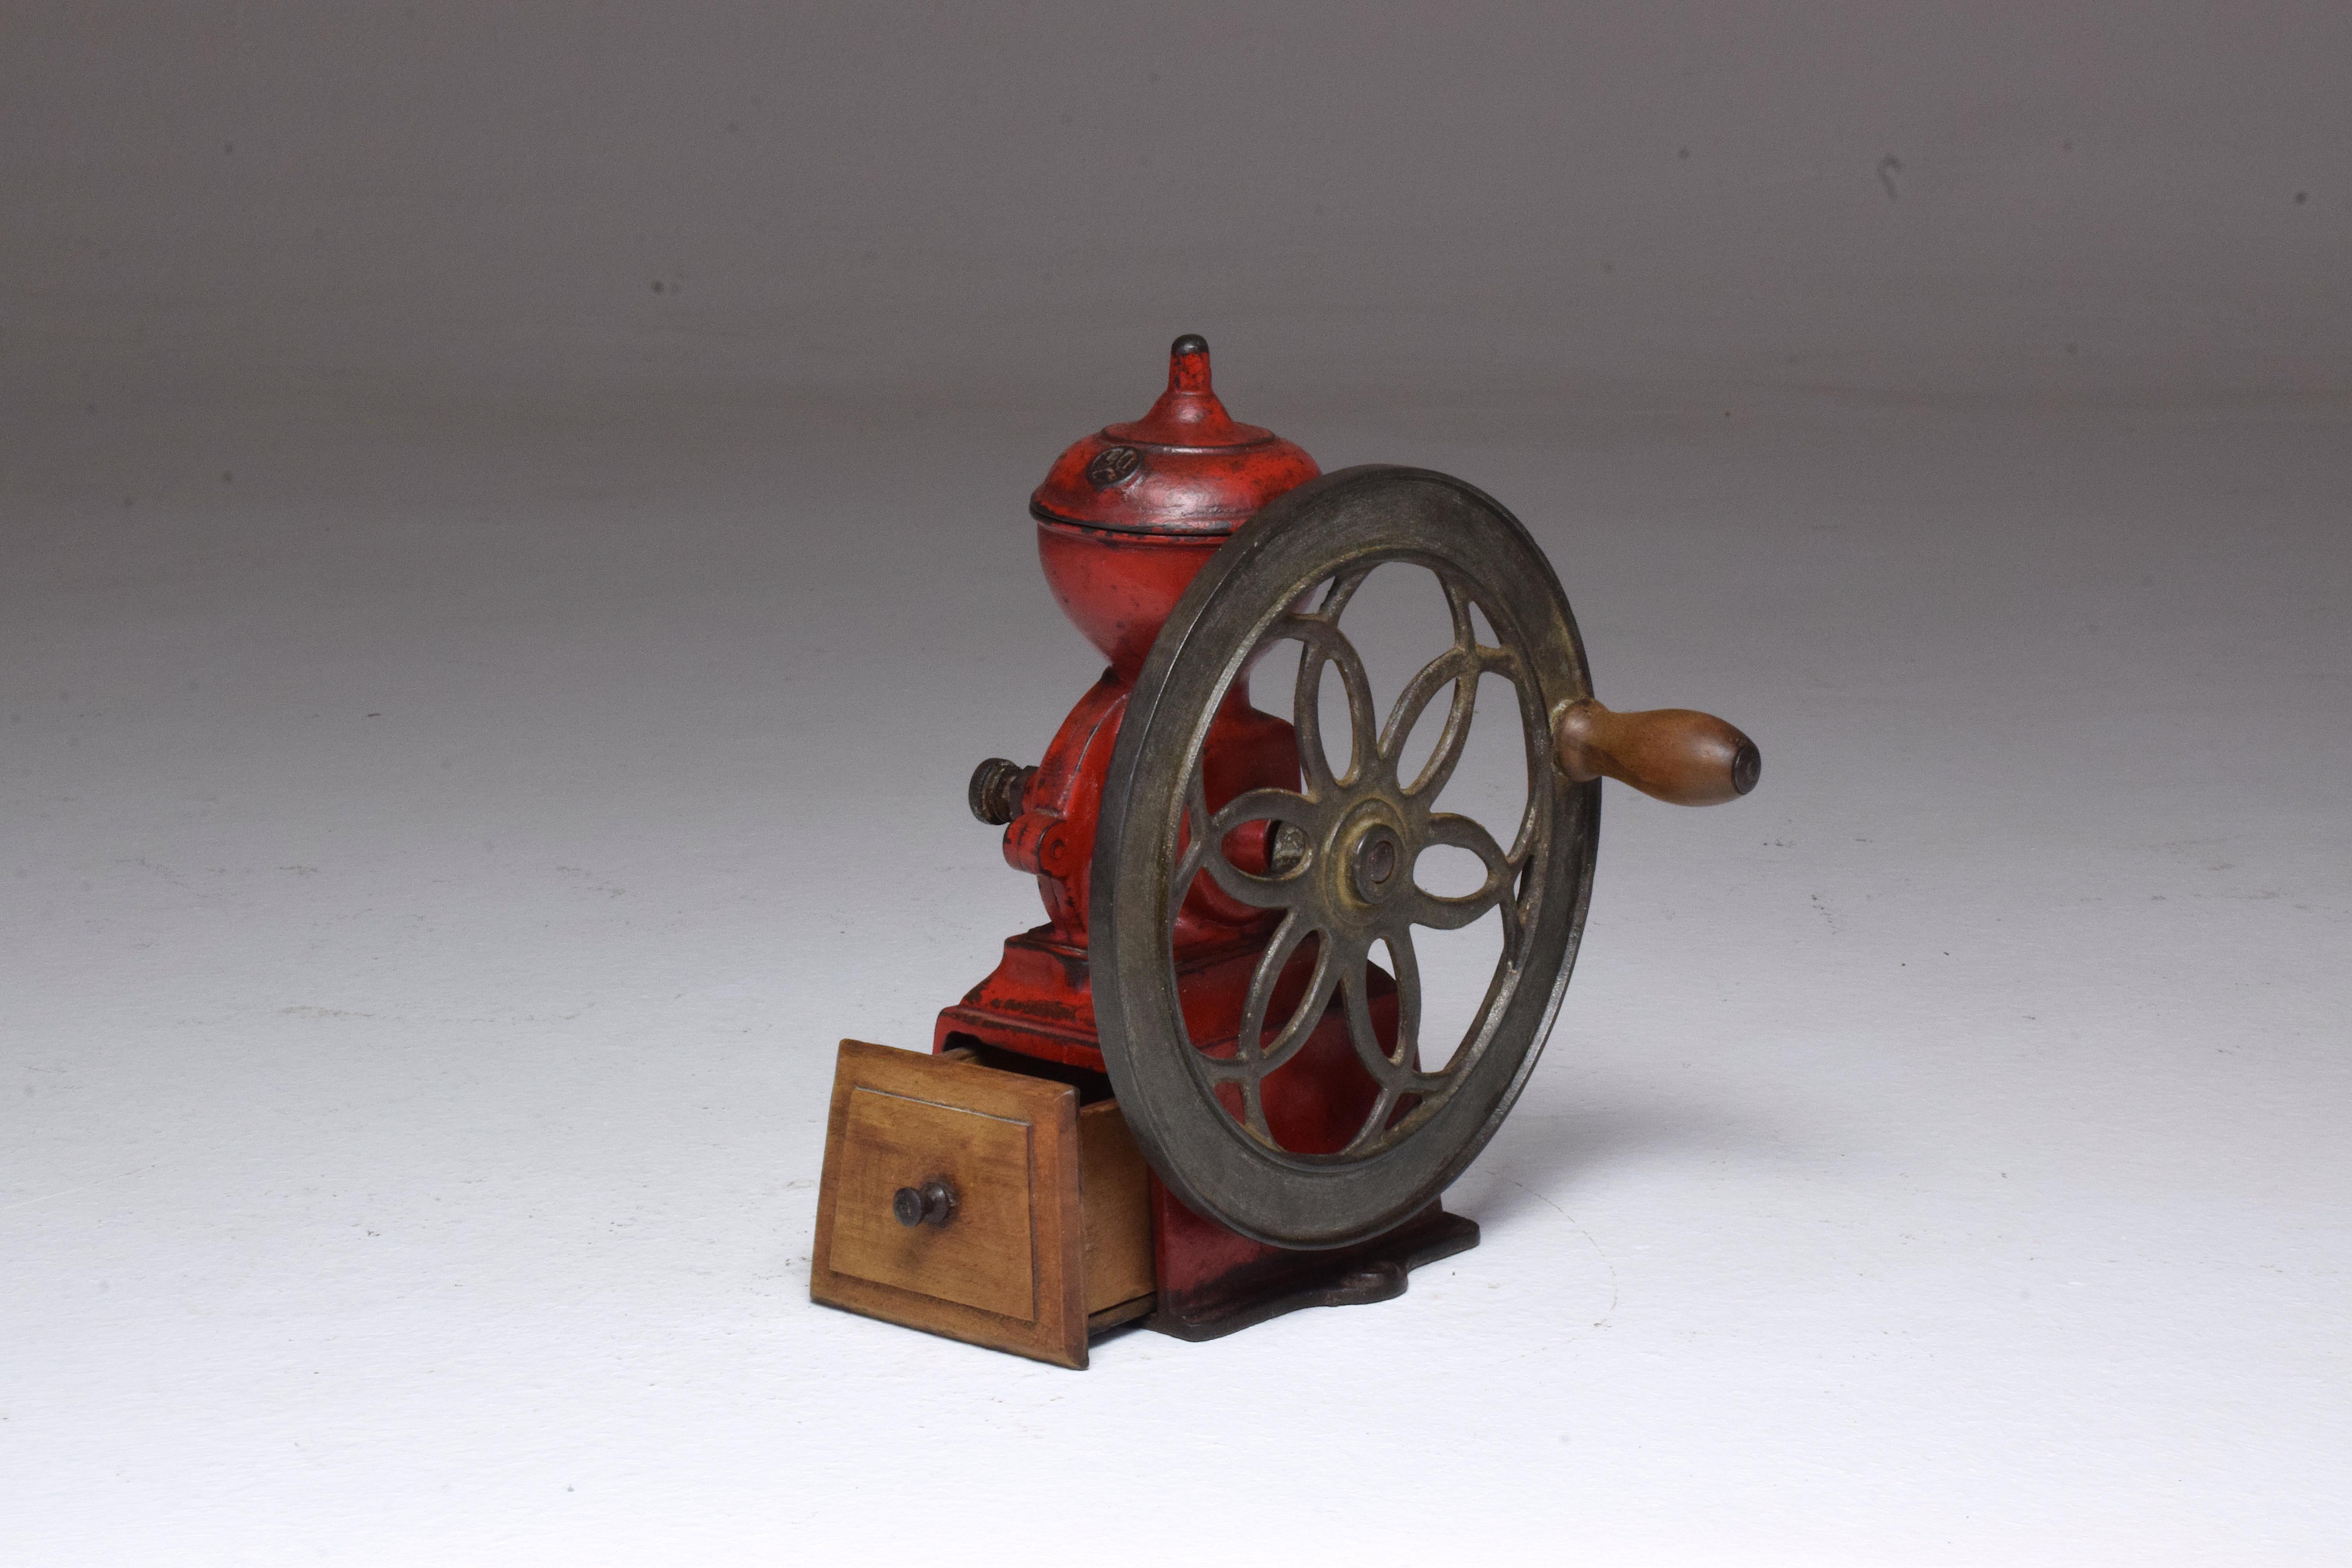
{"x": 1189, "y": 413}
{"x": 1188, "y": 363}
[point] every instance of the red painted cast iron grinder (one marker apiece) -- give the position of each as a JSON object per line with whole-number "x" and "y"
{"x": 1126, "y": 520}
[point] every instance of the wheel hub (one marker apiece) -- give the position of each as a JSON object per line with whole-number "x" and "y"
{"x": 1373, "y": 861}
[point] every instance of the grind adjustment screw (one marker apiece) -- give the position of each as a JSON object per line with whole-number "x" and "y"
{"x": 996, "y": 790}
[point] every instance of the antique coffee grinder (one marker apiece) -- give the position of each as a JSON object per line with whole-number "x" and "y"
{"x": 1193, "y": 1096}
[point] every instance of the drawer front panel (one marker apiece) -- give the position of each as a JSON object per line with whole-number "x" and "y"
{"x": 985, "y": 1255}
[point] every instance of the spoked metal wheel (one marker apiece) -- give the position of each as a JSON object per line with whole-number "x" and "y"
{"x": 1339, "y": 858}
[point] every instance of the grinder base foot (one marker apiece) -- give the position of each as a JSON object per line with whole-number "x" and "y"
{"x": 1348, "y": 1276}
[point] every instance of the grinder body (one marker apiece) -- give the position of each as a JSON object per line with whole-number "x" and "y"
{"x": 1126, "y": 518}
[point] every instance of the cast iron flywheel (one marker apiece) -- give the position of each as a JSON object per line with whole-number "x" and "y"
{"x": 1343, "y": 877}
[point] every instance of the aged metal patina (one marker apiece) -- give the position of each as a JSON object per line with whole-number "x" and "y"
{"x": 1353, "y": 887}
{"x": 1215, "y": 887}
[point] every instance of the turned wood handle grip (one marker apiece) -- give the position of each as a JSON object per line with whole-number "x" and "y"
{"x": 1679, "y": 756}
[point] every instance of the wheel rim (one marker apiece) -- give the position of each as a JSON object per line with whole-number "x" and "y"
{"x": 1343, "y": 875}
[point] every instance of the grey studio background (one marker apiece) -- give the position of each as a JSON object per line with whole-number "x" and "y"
{"x": 515, "y": 538}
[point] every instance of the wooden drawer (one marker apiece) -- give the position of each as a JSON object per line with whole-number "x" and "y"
{"x": 1039, "y": 1225}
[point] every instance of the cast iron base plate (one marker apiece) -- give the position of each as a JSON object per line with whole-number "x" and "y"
{"x": 1373, "y": 1272}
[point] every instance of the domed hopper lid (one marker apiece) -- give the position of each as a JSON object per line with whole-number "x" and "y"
{"x": 1186, "y": 468}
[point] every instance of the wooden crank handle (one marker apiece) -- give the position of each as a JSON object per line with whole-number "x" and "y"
{"x": 1680, "y": 756}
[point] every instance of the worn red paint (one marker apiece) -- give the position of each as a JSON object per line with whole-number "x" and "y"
{"x": 1126, "y": 518}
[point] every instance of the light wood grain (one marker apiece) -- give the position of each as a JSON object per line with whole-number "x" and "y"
{"x": 1116, "y": 1196}
{"x": 982, "y": 1256}
{"x": 1675, "y": 754}
{"x": 904, "y": 1111}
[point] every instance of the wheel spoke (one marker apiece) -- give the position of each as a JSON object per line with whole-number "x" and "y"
{"x": 1188, "y": 869}
{"x": 1254, "y": 1112}
{"x": 1248, "y": 887}
{"x": 1376, "y": 1120}
{"x": 1264, "y": 806}
{"x": 1343, "y": 588}
{"x": 1460, "y": 666}
{"x": 1457, "y": 604}
{"x": 1408, "y": 984}
{"x": 1253, "y": 1060}
{"x": 1355, "y": 986}
{"x": 1294, "y": 930}
{"x": 1324, "y": 643}
{"x": 1311, "y": 1005}
{"x": 1259, "y": 892}
{"x": 1452, "y": 914}
{"x": 1307, "y": 714}
{"x": 1194, "y": 843}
